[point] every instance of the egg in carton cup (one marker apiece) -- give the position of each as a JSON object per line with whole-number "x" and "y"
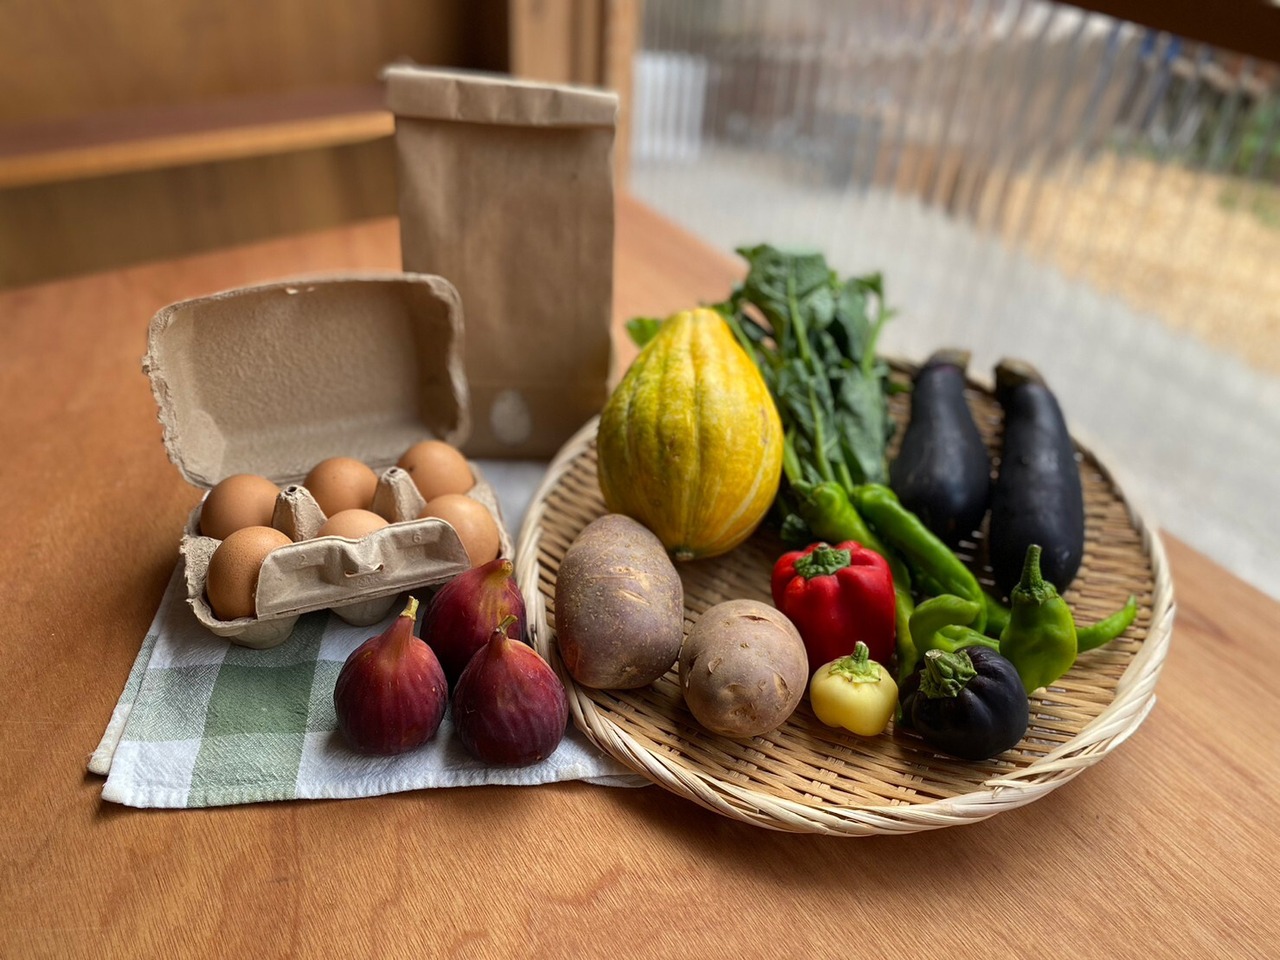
{"x": 274, "y": 379}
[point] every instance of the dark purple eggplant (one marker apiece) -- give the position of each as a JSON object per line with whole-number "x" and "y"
{"x": 942, "y": 472}
{"x": 1037, "y": 496}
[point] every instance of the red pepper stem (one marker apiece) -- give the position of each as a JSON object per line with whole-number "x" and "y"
{"x": 822, "y": 561}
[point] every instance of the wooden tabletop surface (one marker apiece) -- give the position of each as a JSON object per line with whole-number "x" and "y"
{"x": 1166, "y": 848}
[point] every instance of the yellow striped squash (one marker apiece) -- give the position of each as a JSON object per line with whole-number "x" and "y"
{"x": 690, "y": 443}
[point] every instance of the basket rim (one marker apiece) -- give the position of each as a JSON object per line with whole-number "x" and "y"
{"x": 1133, "y": 701}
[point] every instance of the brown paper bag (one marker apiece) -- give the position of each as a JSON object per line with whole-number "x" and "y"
{"x": 506, "y": 190}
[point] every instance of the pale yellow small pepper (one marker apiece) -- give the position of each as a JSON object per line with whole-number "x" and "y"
{"x": 854, "y": 692}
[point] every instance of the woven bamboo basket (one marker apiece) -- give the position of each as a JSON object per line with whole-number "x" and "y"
{"x": 808, "y": 778}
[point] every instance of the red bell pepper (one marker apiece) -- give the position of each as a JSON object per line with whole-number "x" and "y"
{"x": 837, "y": 596}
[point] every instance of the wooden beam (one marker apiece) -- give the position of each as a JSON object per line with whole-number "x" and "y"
{"x": 560, "y": 41}
{"x": 1250, "y": 27}
{"x": 161, "y": 137}
{"x": 587, "y": 42}
{"x": 621, "y": 38}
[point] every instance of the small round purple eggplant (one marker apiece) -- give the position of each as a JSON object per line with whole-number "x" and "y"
{"x": 970, "y": 704}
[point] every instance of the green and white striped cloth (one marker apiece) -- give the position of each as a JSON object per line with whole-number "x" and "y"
{"x": 204, "y": 723}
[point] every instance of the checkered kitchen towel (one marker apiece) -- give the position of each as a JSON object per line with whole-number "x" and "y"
{"x": 205, "y": 723}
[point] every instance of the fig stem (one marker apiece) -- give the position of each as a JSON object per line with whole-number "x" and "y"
{"x": 400, "y": 634}
{"x": 507, "y": 621}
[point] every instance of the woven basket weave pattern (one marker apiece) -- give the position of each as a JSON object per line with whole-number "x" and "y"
{"x": 807, "y": 777}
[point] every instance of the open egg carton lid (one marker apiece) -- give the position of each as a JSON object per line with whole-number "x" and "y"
{"x": 272, "y": 379}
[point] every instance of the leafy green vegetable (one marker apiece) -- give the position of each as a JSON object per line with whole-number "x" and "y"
{"x": 643, "y": 329}
{"x": 813, "y": 336}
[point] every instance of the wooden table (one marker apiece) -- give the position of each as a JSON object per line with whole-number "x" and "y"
{"x": 1167, "y": 848}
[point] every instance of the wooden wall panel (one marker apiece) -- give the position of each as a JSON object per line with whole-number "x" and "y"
{"x": 63, "y": 58}
{"x": 622, "y": 25}
{"x": 77, "y": 70}
{"x": 105, "y": 222}
{"x": 560, "y": 41}
{"x": 589, "y": 42}
{"x": 71, "y": 66}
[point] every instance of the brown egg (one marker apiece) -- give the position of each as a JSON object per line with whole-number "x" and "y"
{"x": 474, "y": 524}
{"x": 341, "y": 483}
{"x": 232, "y": 579}
{"x": 437, "y": 469}
{"x": 352, "y": 524}
{"x": 238, "y": 501}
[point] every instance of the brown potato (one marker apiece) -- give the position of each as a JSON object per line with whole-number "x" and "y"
{"x": 619, "y": 606}
{"x": 743, "y": 669}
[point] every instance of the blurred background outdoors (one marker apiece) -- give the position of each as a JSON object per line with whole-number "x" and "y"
{"x": 1097, "y": 192}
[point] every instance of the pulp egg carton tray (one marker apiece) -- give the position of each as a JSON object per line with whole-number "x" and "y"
{"x": 272, "y": 379}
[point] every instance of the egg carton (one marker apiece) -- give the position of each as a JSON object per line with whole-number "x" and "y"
{"x": 274, "y": 378}
{"x": 315, "y": 573}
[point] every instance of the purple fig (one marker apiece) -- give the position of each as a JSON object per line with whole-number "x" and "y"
{"x": 509, "y": 707}
{"x": 462, "y": 614}
{"x": 391, "y": 693}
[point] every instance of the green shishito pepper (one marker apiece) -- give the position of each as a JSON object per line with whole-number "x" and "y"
{"x": 939, "y": 570}
{"x": 943, "y": 623}
{"x": 1108, "y": 628}
{"x": 955, "y": 637}
{"x": 1040, "y": 639}
{"x": 997, "y": 616}
{"x": 826, "y": 508}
